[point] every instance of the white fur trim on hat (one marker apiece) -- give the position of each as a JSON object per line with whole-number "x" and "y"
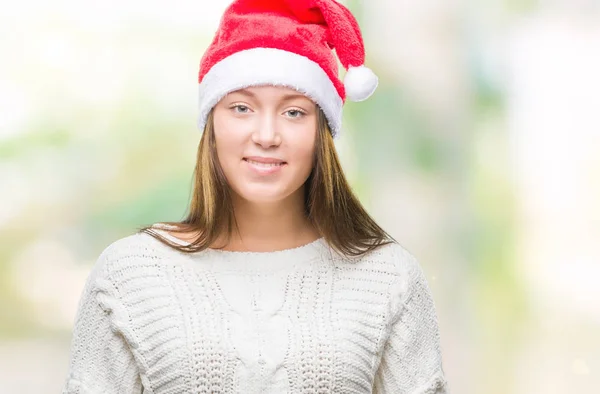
{"x": 269, "y": 66}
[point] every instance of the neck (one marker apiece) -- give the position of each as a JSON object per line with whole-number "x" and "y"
{"x": 271, "y": 226}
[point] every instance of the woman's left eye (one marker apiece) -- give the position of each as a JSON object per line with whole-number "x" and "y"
{"x": 294, "y": 113}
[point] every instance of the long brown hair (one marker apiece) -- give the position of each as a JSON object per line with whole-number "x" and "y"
{"x": 329, "y": 202}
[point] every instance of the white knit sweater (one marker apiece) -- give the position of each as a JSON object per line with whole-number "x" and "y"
{"x": 304, "y": 320}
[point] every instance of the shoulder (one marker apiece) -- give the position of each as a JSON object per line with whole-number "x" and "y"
{"x": 404, "y": 264}
{"x": 391, "y": 265}
{"x": 134, "y": 245}
{"x": 392, "y": 258}
{"x": 409, "y": 279}
{"x": 128, "y": 252}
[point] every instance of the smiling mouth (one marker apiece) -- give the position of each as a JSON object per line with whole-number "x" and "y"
{"x": 265, "y": 165}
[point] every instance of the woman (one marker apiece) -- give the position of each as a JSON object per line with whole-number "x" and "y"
{"x": 277, "y": 281}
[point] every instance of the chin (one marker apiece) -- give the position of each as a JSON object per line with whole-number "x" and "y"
{"x": 259, "y": 195}
{"x": 262, "y": 199}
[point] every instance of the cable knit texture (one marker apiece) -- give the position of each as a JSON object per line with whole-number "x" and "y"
{"x": 154, "y": 320}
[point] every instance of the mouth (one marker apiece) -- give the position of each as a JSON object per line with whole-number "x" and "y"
{"x": 264, "y": 166}
{"x": 265, "y": 162}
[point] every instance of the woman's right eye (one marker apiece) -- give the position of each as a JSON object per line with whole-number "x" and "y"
{"x": 242, "y": 109}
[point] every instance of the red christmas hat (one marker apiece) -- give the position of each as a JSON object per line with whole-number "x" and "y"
{"x": 287, "y": 43}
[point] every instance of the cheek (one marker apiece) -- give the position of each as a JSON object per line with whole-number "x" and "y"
{"x": 229, "y": 143}
{"x": 303, "y": 154}
{"x": 304, "y": 157}
{"x": 227, "y": 155}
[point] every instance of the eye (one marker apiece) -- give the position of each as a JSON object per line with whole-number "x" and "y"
{"x": 240, "y": 109}
{"x": 295, "y": 113}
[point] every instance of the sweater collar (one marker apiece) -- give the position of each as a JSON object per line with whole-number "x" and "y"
{"x": 258, "y": 261}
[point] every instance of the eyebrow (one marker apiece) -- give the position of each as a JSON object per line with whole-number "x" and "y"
{"x": 286, "y": 97}
{"x": 291, "y": 96}
{"x": 245, "y": 92}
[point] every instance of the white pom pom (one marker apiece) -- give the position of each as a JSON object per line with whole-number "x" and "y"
{"x": 360, "y": 83}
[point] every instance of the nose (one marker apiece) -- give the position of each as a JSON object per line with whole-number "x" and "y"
{"x": 265, "y": 133}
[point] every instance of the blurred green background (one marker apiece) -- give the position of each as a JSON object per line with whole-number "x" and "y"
{"x": 479, "y": 152}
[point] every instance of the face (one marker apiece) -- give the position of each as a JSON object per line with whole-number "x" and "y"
{"x": 265, "y": 141}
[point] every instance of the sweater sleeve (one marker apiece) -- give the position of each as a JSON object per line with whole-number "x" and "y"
{"x": 101, "y": 361}
{"x": 411, "y": 361}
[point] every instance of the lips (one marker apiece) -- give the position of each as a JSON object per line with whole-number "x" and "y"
{"x": 264, "y": 160}
{"x": 266, "y": 165}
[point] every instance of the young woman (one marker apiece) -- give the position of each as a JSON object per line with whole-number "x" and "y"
{"x": 277, "y": 281}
